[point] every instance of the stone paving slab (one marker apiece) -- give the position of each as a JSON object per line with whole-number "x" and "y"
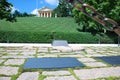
{"x": 14, "y": 53}
{"x": 87, "y": 60}
{"x": 89, "y": 50}
{"x": 7, "y": 70}
{"x": 81, "y": 55}
{"x": 1, "y": 60}
{"x": 48, "y": 55}
{"x": 56, "y": 73}
{"x": 13, "y": 50}
{"x": 2, "y": 51}
{"x": 113, "y": 54}
{"x": 68, "y": 53}
{"x": 0, "y": 54}
{"x": 94, "y": 73}
{"x": 80, "y": 52}
{"x": 16, "y": 56}
{"x": 28, "y": 52}
{"x": 2, "y": 48}
{"x": 55, "y": 51}
{"x": 74, "y": 48}
{"x": 41, "y": 54}
{"x": 76, "y": 55}
{"x": 5, "y": 78}
{"x": 42, "y": 51}
{"x": 29, "y": 76}
{"x": 60, "y": 78}
{"x": 63, "y": 49}
{"x": 95, "y": 55}
{"x": 27, "y": 47}
{"x": 14, "y": 61}
{"x": 95, "y": 64}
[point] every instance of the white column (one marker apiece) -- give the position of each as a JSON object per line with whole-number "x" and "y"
{"x": 44, "y": 14}
{"x": 41, "y": 14}
{"x": 47, "y": 14}
{"x": 50, "y": 14}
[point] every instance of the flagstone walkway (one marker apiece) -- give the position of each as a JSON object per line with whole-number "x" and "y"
{"x": 12, "y": 59}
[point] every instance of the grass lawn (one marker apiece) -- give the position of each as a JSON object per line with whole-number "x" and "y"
{"x": 44, "y": 30}
{"x": 36, "y": 24}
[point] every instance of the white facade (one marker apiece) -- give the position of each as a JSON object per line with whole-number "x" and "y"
{"x": 45, "y": 12}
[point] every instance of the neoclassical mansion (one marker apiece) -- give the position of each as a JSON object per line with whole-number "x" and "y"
{"x": 45, "y": 12}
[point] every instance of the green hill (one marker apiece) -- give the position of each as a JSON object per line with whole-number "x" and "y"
{"x": 44, "y": 30}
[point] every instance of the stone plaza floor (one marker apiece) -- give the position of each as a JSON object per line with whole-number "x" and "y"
{"x": 12, "y": 59}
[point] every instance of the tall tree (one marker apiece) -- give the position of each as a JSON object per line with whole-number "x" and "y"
{"x": 108, "y": 8}
{"x": 63, "y": 9}
{"x": 17, "y": 13}
{"x": 25, "y": 14}
{"x": 5, "y": 11}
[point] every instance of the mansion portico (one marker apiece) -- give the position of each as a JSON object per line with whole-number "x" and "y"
{"x": 45, "y": 12}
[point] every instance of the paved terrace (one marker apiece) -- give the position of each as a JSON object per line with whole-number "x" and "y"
{"x": 13, "y": 56}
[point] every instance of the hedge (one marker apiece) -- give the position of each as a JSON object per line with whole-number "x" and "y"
{"x": 47, "y": 37}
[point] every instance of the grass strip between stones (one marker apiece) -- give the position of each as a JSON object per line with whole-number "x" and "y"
{"x": 72, "y": 72}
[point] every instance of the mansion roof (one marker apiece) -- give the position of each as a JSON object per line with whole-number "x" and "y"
{"x": 45, "y": 9}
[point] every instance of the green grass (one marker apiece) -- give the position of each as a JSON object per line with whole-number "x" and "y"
{"x": 72, "y": 72}
{"x": 35, "y": 24}
{"x": 109, "y": 78}
{"x": 44, "y": 30}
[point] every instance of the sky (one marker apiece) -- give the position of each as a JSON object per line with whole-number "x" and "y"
{"x": 31, "y": 6}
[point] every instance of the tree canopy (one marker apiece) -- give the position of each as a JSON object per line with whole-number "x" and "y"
{"x": 63, "y": 9}
{"x": 108, "y": 8}
{"x": 5, "y": 11}
{"x": 19, "y": 14}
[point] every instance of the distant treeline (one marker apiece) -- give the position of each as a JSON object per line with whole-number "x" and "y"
{"x": 19, "y": 14}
